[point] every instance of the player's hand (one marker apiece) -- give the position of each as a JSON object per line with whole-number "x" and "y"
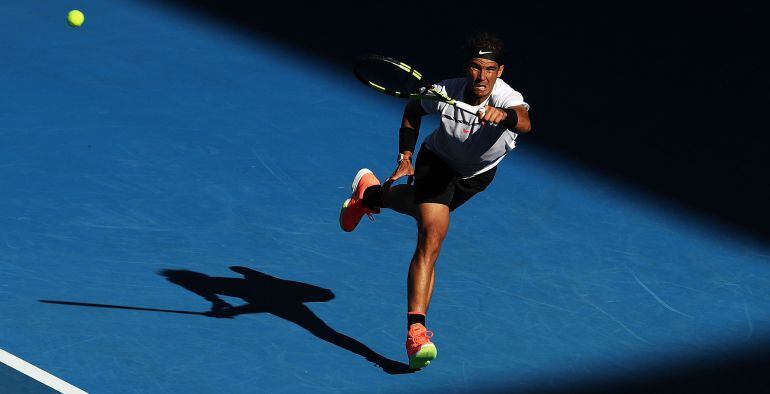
{"x": 491, "y": 116}
{"x": 404, "y": 169}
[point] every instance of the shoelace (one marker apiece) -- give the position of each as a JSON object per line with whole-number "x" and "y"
{"x": 420, "y": 337}
{"x": 370, "y": 212}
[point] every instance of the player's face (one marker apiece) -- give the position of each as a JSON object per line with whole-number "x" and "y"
{"x": 482, "y": 74}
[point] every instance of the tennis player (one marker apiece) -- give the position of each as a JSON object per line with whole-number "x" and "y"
{"x": 456, "y": 161}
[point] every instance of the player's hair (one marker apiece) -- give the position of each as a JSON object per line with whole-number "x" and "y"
{"x": 484, "y": 41}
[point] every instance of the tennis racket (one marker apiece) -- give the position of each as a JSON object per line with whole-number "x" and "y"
{"x": 395, "y": 78}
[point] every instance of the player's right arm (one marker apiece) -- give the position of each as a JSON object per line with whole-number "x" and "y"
{"x": 407, "y": 139}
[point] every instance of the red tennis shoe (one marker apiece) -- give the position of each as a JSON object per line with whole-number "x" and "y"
{"x": 353, "y": 208}
{"x": 420, "y": 350}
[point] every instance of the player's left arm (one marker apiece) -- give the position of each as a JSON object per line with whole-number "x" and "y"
{"x": 514, "y": 118}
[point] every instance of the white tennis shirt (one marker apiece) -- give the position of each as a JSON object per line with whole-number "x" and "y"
{"x": 460, "y": 140}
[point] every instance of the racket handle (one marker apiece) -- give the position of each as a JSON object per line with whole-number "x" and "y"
{"x": 471, "y": 109}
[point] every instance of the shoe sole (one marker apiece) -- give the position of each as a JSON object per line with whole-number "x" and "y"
{"x": 342, "y": 210}
{"x": 423, "y": 357}
{"x": 358, "y": 177}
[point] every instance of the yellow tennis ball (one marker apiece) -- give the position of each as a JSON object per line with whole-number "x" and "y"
{"x": 75, "y": 18}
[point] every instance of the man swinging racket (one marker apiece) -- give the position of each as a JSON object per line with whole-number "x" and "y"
{"x": 455, "y": 162}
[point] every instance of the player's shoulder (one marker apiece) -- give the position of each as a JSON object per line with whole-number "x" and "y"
{"x": 502, "y": 88}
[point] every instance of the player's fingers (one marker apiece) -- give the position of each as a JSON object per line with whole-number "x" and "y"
{"x": 495, "y": 116}
{"x": 396, "y": 174}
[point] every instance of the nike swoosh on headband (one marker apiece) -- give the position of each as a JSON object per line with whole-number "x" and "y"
{"x": 484, "y": 52}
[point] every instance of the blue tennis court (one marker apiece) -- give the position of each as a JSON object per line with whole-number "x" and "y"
{"x": 150, "y": 159}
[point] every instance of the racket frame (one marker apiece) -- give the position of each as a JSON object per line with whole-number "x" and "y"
{"x": 427, "y": 92}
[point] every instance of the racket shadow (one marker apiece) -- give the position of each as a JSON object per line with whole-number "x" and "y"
{"x": 263, "y": 293}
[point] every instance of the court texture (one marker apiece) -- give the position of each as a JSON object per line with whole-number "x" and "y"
{"x": 150, "y": 161}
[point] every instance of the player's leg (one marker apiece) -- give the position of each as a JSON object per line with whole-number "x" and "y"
{"x": 432, "y": 194}
{"x": 432, "y": 228}
{"x": 433, "y": 225}
{"x": 400, "y": 198}
{"x": 430, "y": 287}
{"x": 369, "y": 195}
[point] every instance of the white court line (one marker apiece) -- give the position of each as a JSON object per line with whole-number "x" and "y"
{"x": 38, "y": 374}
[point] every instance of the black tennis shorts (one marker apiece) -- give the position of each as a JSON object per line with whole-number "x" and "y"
{"x": 436, "y": 182}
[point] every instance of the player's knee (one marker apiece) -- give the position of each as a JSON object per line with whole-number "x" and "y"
{"x": 431, "y": 237}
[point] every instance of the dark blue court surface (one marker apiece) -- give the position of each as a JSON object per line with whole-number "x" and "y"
{"x": 12, "y": 381}
{"x": 147, "y": 141}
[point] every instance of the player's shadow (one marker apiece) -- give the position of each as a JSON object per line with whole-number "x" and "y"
{"x": 279, "y": 297}
{"x": 265, "y": 294}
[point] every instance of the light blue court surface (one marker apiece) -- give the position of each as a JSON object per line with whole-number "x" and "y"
{"x": 148, "y": 140}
